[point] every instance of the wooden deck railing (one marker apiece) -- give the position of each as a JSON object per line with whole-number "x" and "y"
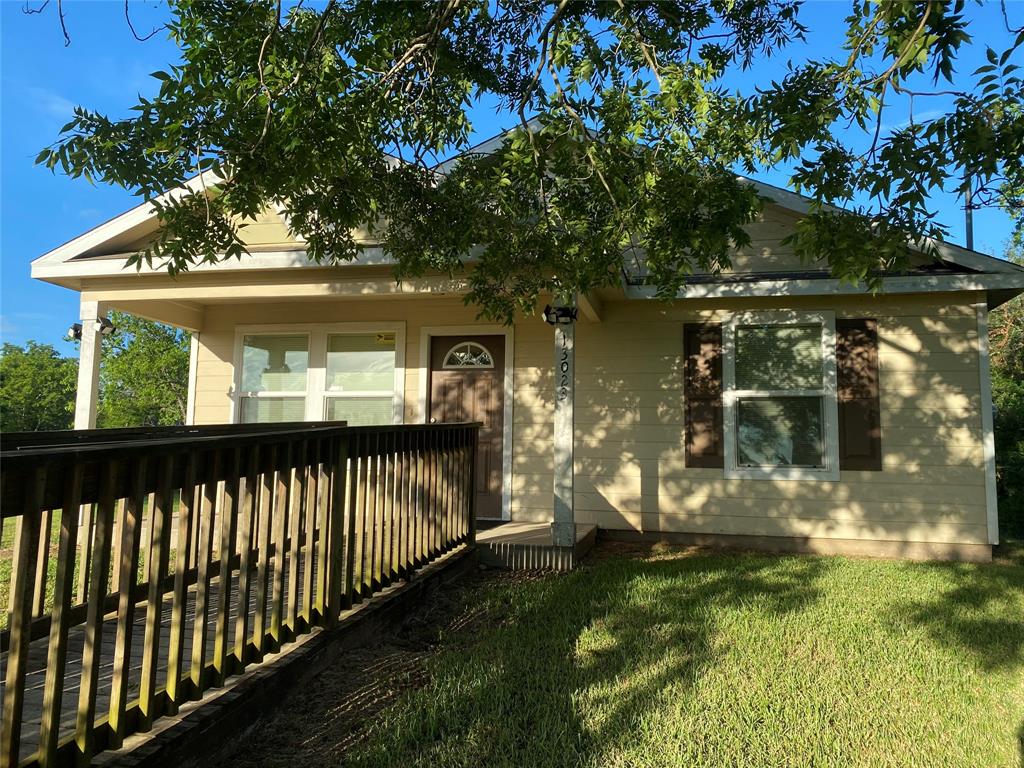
{"x": 183, "y": 558}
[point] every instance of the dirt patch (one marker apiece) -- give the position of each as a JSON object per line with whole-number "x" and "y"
{"x": 318, "y": 724}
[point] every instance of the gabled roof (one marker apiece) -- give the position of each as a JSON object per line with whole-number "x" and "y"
{"x": 96, "y": 252}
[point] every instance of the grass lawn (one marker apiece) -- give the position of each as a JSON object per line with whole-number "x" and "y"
{"x": 672, "y": 658}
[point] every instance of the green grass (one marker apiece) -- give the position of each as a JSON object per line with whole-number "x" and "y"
{"x": 677, "y": 659}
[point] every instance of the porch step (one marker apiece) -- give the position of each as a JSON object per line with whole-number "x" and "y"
{"x": 527, "y": 546}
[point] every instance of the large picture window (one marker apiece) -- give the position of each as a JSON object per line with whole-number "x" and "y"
{"x": 780, "y": 396}
{"x": 349, "y": 372}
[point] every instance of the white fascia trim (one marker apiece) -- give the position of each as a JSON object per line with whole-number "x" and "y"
{"x": 987, "y": 426}
{"x": 508, "y": 331}
{"x": 121, "y": 224}
{"x": 831, "y": 287}
{"x": 117, "y": 266}
{"x": 316, "y": 371}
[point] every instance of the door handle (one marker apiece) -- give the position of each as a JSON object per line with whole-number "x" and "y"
{"x": 433, "y": 420}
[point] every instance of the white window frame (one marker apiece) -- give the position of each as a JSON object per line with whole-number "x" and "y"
{"x": 316, "y": 393}
{"x": 732, "y": 395}
{"x": 268, "y": 394}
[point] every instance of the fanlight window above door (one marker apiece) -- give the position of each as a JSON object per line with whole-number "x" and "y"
{"x": 468, "y": 354}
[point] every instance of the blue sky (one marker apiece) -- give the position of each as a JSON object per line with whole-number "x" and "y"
{"x": 105, "y": 68}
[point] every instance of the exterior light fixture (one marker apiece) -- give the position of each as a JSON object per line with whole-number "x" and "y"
{"x": 560, "y": 315}
{"x": 104, "y": 327}
{"x": 74, "y": 332}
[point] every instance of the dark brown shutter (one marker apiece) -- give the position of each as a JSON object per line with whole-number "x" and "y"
{"x": 860, "y": 428}
{"x": 702, "y": 393}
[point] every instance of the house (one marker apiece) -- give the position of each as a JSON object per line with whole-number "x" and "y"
{"x": 771, "y": 406}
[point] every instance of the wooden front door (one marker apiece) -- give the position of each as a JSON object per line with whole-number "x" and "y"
{"x": 467, "y": 384}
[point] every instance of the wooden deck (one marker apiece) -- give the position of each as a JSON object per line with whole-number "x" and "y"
{"x": 527, "y": 546}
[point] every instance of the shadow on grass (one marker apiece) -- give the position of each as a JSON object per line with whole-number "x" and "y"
{"x": 622, "y": 634}
{"x": 978, "y": 616}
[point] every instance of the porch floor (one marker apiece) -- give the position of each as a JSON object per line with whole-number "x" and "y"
{"x": 527, "y": 546}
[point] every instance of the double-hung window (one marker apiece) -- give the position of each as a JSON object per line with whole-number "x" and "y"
{"x": 351, "y": 372}
{"x": 274, "y": 378}
{"x": 360, "y": 385}
{"x": 780, "y": 417}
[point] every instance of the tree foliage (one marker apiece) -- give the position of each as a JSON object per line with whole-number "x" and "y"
{"x": 1006, "y": 344}
{"x": 37, "y": 388}
{"x": 634, "y": 119}
{"x": 143, "y": 380}
{"x": 143, "y": 374}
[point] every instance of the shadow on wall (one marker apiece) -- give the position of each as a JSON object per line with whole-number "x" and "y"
{"x": 630, "y": 445}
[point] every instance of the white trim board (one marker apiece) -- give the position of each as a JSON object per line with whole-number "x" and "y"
{"x": 832, "y": 287}
{"x": 193, "y": 369}
{"x": 987, "y": 426}
{"x": 316, "y": 376}
{"x": 508, "y": 331}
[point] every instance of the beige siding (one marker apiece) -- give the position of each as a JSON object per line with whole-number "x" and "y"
{"x": 630, "y": 470}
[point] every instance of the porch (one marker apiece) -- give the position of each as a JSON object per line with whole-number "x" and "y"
{"x": 190, "y": 555}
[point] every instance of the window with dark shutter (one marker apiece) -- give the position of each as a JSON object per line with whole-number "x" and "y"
{"x": 860, "y": 428}
{"x": 702, "y": 392}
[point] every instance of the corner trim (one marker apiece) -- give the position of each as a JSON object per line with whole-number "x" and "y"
{"x": 987, "y": 426}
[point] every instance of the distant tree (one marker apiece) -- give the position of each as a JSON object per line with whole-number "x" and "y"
{"x": 143, "y": 375}
{"x": 1006, "y": 341}
{"x": 37, "y": 388}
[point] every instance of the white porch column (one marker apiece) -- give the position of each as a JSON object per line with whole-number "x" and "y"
{"x": 88, "y": 366}
{"x": 563, "y": 528}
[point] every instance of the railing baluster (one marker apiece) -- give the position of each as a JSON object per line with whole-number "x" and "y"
{"x": 402, "y": 508}
{"x": 57, "y": 650}
{"x": 126, "y": 568}
{"x": 42, "y": 564}
{"x": 338, "y": 550}
{"x": 231, "y": 496}
{"x": 23, "y": 572}
{"x": 375, "y": 527}
{"x": 360, "y": 469}
{"x": 420, "y": 491}
{"x": 394, "y": 483}
{"x": 280, "y": 529}
{"x": 312, "y": 475}
{"x": 176, "y": 643}
{"x": 92, "y": 653}
{"x": 296, "y": 496}
{"x": 351, "y": 518}
{"x": 267, "y": 465}
{"x": 203, "y": 555}
{"x": 85, "y": 532}
{"x": 156, "y": 568}
{"x": 247, "y": 513}
{"x": 326, "y": 487}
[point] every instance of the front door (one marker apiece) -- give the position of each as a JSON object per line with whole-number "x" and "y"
{"x": 467, "y": 384}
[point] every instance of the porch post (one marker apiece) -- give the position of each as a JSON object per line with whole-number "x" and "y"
{"x": 563, "y": 528}
{"x": 88, "y": 366}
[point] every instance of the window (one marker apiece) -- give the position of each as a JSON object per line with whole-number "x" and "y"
{"x": 360, "y": 386}
{"x": 468, "y": 354}
{"x": 274, "y": 378}
{"x": 350, "y": 372}
{"x": 780, "y": 396}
